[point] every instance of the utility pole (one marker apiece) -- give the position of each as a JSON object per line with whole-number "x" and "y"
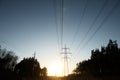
{"x": 34, "y": 55}
{"x": 66, "y": 68}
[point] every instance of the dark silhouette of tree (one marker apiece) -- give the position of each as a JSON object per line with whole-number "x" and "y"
{"x": 104, "y": 62}
{"x": 8, "y": 59}
{"x": 28, "y": 67}
{"x": 43, "y": 72}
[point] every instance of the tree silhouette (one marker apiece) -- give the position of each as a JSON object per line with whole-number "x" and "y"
{"x": 28, "y": 67}
{"x": 43, "y": 72}
{"x": 103, "y": 62}
{"x": 8, "y": 59}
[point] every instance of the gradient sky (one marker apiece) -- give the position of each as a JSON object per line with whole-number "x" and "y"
{"x": 28, "y": 26}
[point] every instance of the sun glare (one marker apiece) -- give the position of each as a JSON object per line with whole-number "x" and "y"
{"x": 55, "y": 69}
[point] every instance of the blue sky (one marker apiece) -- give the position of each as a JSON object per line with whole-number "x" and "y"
{"x": 30, "y": 25}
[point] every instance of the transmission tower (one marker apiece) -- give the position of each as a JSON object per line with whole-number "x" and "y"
{"x": 66, "y": 67}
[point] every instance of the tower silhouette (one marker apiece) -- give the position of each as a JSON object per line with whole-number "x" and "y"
{"x": 66, "y": 66}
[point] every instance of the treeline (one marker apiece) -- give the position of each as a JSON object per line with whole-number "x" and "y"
{"x": 104, "y": 63}
{"x": 26, "y": 69}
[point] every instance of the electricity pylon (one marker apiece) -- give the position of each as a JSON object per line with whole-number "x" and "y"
{"x": 66, "y": 67}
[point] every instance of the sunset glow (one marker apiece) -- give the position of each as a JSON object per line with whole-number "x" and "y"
{"x": 55, "y": 69}
{"x": 44, "y": 27}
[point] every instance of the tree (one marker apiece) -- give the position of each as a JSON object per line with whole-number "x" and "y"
{"x": 28, "y": 67}
{"x": 8, "y": 59}
{"x": 43, "y": 72}
{"x": 102, "y": 62}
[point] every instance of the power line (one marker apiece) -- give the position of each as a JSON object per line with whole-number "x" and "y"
{"x": 93, "y": 23}
{"x": 7, "y": 44}
{"x": 61, "y": 20}
{"x": 59, "y": 27}
{"x": 78, "y": 27}
{"x": 102, "y": 23}
{"x": 56, "y": 22}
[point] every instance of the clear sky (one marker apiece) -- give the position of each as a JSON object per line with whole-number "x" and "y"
{"x": 28, "y": 26}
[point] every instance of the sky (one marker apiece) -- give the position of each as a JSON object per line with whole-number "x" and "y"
{"x": 28, "y": 26}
